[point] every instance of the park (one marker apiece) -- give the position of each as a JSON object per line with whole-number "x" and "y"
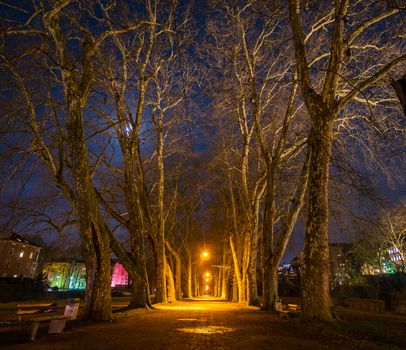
{"x": 202, "y": 174}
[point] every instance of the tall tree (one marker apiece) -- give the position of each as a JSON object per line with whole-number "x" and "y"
{"x": 353, "y": 28}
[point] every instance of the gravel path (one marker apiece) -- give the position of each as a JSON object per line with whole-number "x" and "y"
{"x": 196, "y": 324}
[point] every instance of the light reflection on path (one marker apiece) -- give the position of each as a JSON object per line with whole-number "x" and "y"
{"x": 206, "y": 330}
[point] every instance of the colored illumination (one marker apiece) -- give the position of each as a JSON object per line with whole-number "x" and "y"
{"x": 205, "y": 255}
{"x": 207, "y": 274}
{"x": 207, "y": 280}
{"x": 119, "y": 276}
{"x": 207, "y": 288}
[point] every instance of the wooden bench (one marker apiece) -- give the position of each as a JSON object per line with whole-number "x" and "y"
{"x": 293, "y": 308}
{"x": 29, "y": 326}
{"x": 287, "y": 311}
{"x": 32, "y": 309}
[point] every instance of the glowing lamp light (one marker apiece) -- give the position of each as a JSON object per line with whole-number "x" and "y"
{"x": 207, "y": 280}
{"x": 207, "y": 274}
{"x": 207, "y": 287}
{"x": 205, "y": 255}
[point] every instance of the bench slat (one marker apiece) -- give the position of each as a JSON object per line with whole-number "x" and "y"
{"x": 32, "y": 312}
{"x": 23, "y": 306}
{"x": 49, "y": 318}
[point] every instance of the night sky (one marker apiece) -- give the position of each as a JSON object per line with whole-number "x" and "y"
{"x": 362, "y": 183}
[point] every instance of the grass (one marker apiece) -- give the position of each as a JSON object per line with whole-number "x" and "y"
{"x": 384, "y": 330}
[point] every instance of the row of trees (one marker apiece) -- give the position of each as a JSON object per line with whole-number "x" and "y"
{"x": 106, "y": 98}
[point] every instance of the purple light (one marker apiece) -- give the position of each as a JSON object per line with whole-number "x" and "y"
{"x": 119, "y": 277}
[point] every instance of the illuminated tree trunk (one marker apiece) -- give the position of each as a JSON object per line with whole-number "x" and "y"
{"x": 160, "y": 296}
{"x": 224, "y": 286}
{"x": 267, "y": 239}
{"x": 189, "y": 277}
{"x": 219, "y": 283}
{"x": 237, "y": 274}
{"x": 138, "y": 272}
{"x": 94, "y": 242}
{"x": 170, "y": 283}
{"x": 316, "y": 302}
{"x": 234, "y": 296}
{"x": 140, "y": 286}
{"x": 178, "y": 271}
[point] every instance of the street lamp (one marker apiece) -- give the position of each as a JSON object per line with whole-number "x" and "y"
{"x": 205, "y": 255}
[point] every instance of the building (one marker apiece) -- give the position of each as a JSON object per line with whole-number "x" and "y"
{"x": 72, "y": 275}
{"x": 341, "y": 263}
{"x": 396, "y": 257}
{"x": 388, "y": 261}
{"x": 18, "y": 257}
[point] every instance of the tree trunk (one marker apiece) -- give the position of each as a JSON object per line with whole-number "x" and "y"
{"x": 237, "y": 273}
{"x": 94, "y": 241}
{"x": 178, "y": 271}
{"x": 197, "y": 286}
{"x": 140, "y": 289}
{"x": 268, "y": 238}
{"x": 220, "y": 282}
{"x": 273, "y": 286}
{"x": 96, "y": 255}
{"x": 224, "y": 286}
{"x": 316, "y": 302}
{"x": 160, "y": 296}
{"x": 246, "y": 256}
{"x": 252, "y": 292}
{"x": 234, "y": 296}
{"x": 286, "y": 231}
{"x": 171, "y": 296}
{"x": 189, "y": 277}
{"x": 136, "y": 272}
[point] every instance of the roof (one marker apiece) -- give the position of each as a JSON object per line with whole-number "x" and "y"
{"x": 17, "y": 238}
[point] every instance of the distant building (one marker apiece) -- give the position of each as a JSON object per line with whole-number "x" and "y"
{"x": 396, "y": 257}
{"x": 18, "y": 257}
{"x": 341, "y": 263}
{"x": 72, "y": 275}
{"x": 388, "y": 261}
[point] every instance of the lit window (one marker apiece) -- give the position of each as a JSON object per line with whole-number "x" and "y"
{"x": 31, "y": 254}
{"x": 21, "y": 253}
{"x": 15, "y": 276}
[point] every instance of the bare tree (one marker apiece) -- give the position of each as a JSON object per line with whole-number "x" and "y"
{"x": 392, "y": 226}
{"x": 74, "y": 75}
{"x": 351, "y": 26}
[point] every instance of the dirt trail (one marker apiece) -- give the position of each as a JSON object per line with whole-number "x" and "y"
{"x": 196, "y": 324}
